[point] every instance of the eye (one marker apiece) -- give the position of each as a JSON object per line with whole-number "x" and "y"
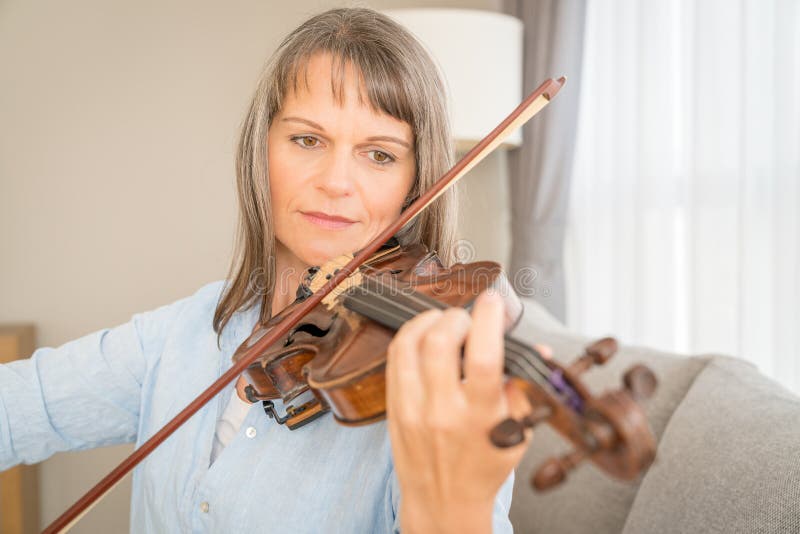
{"x": 306, "y": 141}
{"x": 380, "y": 157}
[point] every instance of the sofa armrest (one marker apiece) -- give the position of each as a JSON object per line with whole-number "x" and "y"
{"x": 729, "y": 459}
{"x": 728, "y": 456}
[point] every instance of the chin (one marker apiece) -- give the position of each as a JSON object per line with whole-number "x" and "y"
{"x": 319, "y": 252}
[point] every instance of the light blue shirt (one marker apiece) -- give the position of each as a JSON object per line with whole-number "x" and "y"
{"x": 121, "y": 385}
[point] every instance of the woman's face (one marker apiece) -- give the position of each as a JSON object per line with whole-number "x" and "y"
{"x": 339, "y": 173}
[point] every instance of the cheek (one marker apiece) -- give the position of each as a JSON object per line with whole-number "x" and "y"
{"x": 383, "y": 204}
{"x": 385, "y": 198}
{"x": 279, "y": 179}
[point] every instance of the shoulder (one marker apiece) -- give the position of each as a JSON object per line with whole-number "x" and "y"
{"x": 184, "y": 328}
{"x": 202, "y": 301}
{"x": 185, "y": 316}
{"x": 211, "y": 289}
{"x": 208, "y": 296}
{"x": 197, "y": 312}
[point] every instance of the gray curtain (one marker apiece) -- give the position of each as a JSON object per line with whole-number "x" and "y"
{"x": 540, "y": 169}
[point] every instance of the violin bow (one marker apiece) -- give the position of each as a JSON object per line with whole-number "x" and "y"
{"x": 529, "y": 107}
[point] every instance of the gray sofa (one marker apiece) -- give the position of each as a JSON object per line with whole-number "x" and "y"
{"x": 728, "y": 456}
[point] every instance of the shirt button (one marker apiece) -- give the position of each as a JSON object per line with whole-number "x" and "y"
{"x": 204, "y": 507}
{"x": 250, "y": 432}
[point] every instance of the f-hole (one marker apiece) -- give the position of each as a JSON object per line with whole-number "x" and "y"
{"x": 308, "y": 328}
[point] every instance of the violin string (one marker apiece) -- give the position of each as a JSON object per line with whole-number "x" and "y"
{"x": 526, "y": 363}
{"x": 522, "y": 362}
{"x": 511, "y": 361}
{"x": 516, "y": 361}
{"x": 515, "y": 348}
{"x": 530, "y": 356}
{"x": 363, "y": 295}
{"x": 406, "y": 301}
{"x": 517, "y": 355}
{"x": 518, "y": 372}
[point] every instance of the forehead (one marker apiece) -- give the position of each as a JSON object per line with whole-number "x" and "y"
{"x": 322, "y": 75}
{"x": 323, "y": 85}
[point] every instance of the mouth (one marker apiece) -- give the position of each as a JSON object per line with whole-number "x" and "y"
{"x": 326, "y": 220}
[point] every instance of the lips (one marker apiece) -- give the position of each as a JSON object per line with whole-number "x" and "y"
{"x": 327, "y": 220}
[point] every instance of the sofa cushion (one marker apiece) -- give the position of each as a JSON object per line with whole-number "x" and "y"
{"x": 729, "y": 459}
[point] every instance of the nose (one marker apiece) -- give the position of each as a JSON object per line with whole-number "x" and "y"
{"x": 337, "y": 179}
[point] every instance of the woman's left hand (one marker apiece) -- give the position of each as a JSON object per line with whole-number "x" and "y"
{"x": 448, "y": 470}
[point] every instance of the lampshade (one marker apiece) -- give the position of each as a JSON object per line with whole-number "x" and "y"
{"x": 480, "y": 56}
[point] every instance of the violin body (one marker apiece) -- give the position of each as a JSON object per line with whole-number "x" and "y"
{"x": 340, "y": 355}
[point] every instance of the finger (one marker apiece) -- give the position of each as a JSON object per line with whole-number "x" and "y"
{"x": 484, "y": 352}
{"x": 440, "y": 354}
{"x": 545, "y": 350}
{"x": 404, "y": 386}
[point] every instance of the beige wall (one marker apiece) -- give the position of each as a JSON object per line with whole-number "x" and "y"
{"x": 117, "y": 129}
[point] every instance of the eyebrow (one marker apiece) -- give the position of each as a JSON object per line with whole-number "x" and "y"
{"x": 390, "y": 139}
{"x": 387, "y": 138}
{"x": 304, "y": 121}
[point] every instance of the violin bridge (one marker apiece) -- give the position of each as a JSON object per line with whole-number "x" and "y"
{"x": 326, "y": 272}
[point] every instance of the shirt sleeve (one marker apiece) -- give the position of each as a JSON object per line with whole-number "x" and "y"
{"x": 83, "y": 394}
{"x": 502, "y": 504}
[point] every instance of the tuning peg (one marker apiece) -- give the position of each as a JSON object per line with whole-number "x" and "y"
{"x": 597, "y": 353}
{"x": 510, "y": 432}
{"x": 554, "y": 471}
{"x": 602, "y": 350}
{"x": 640, "y": 382}
{"x": 507, "y": 433}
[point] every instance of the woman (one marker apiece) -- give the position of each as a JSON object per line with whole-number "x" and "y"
{"x": 347, "y": 125}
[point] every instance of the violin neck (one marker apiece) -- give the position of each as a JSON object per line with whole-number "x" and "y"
{"x": 392, "y": 306}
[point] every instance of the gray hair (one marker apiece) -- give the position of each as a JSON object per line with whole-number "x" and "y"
{"x": 399, "y": 79}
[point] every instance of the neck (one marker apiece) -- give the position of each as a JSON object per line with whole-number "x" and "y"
{"x": 289, "y": 270}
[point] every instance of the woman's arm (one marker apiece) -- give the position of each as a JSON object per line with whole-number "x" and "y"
{"x": 83, "y": 394}
{"x": 448, "y": 471}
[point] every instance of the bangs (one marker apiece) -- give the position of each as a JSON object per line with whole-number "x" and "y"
{"x": 380, "y": 85}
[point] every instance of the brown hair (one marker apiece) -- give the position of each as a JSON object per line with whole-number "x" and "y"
{"x": 398, "y": 78}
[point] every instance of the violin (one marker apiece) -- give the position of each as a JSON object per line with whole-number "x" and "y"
{"x": 330, "y": 343}
{"x": 337, "y": 353}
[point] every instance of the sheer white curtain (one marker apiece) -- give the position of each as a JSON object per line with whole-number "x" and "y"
{"x": 683, "y": 228}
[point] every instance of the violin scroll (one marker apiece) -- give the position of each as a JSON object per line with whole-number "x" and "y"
{"x": 610, "y": 429}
